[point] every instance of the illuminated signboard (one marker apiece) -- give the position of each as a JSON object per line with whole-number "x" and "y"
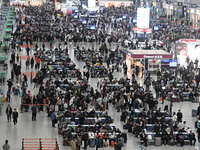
{"x": 143, "y": 18}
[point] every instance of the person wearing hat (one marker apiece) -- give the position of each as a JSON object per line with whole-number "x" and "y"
{"x": 15, "y": 116}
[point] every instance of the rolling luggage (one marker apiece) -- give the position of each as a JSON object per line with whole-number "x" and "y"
{"x": 124, "y": 126}
{"x": 194, "y": 112}
{"x": 124, "y": 135}
{"x": 112, "y": 143}
{"x": 122, "y": 140}
{"x": 129, "y": 128}
{"x": 92, "y": 143}
{"x": 16, "y": 92}
{"x": 157, "y": 141}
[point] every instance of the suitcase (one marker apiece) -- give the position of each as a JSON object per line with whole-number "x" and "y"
{"x": 112, "y": 143}
{"x": 4, "y": 99}
{"x": 16, "y": 92}
{"x": 130, "y": 128}
{"x": 194, "y": 112}
{"x": 122, "y": 140}
{"x": 124, "y": 126}
{"x": 124, "y": 135}
{"x": 92, "y": 143}
{"x": 13, "y": 89}
{"x": 157, "y": 141}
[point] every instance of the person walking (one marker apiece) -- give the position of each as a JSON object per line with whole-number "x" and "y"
{"x": 6, "y": 146}
{"x": 32, "y": 62}
{"x": 118, "y": 145}
{"x": 87, "y": 74}
{"x": 179, "y": 116}
{"x": 53, "y": 119}
{"x": 15, "y": 116}
{"x": 34, "y": 112}
{"x": 9, "y": 112}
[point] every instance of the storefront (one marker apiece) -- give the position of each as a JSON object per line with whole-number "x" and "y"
{"x": 27, "y": 2}
{"x": 149, "y": 59}
{"x": 187, "y": 48}
{"x": 116, "y": 3}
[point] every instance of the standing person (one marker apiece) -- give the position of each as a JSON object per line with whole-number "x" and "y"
{"x": 25, "y": 79}
{"x": 73, "y": 144}
{"x": 159, "y": 74}
{"x": 179, "y": 115}
{"x": 17, "y": 57}
{"x": 36, "y": 47}
{"x": 34, "y": 112}
{"x": 87, "y": 74}
{"x": 10, "y": 84}
{"x": 53, "y": 119}
{"x": 9, "y": 112}
{"x": 85, "y": 138}
{"x": 98, "y": 143}
{"x": 118, "y": 145}
{"x": 28, "y": 50}
{"x": 198, "y": 134}
{"x": 79, "y": 142}
{"x": 125, "y": 69}
{"x": 27, "y": 63}
{"x": 15, "y": 116}
{"x": 32, "y": 62}
{"x": 6, "y": 146}
{"x": 8, "y": 95}
{"x": 38, "y": 61}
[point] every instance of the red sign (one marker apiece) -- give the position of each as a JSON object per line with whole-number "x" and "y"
{"x": 151, "y": 56}
{"x": 188, "y": 40}
{"x": 142, "y": 30}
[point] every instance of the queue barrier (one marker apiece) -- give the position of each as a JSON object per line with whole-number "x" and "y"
{"x": 40, "y": 144}
{"x": 34, "y": 104}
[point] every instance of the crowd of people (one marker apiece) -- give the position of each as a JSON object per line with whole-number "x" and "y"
{"x": 59, "y": 91}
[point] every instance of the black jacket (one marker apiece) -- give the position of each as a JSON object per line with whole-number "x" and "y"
{"x": 9, "y": 112}
{"x": 15, "y": 115}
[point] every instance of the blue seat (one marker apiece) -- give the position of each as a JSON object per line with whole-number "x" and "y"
{"x": 69, "y": 73}
{"x": 149, "y": 127}
{"x": 57, "y": 58}
{"x": 63, "y": 57}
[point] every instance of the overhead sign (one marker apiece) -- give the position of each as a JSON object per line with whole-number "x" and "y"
{"x": 151, "y": 56}
{"x": 91, "y": 3}
{"x": 143, "y": 15}
{"x": 142, "y": 30}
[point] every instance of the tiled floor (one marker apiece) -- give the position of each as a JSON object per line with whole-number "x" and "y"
{"x": 26, "y": 128}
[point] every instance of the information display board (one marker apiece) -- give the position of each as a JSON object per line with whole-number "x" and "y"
{"x": 143, "y": 15}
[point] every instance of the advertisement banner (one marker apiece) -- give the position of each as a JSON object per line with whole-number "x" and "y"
{"x": 91, "y": 3}
{"x": 143, "y": 18}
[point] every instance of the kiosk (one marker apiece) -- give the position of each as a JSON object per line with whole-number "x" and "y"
{"x": 149, "y": 59}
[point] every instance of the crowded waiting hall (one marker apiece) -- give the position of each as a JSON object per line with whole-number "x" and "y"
{"x": 99, "y": 74}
